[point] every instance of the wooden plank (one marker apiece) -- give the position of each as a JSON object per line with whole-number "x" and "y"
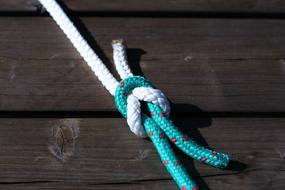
{"x": 179, "y": 5}
{"x": 104, "y": 154}
{"x": 215, "y": 64}
{"x": 261, "y": 6}
{"x": 19, "y": 5}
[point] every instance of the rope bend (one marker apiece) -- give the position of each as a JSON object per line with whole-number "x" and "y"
{"x": 128, "y": 93}
{"x": 158, "y": 126}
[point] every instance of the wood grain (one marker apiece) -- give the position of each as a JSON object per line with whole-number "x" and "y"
{"x": 104, "y": 154}
{"x": 218, "y": 65}
{"x": 19, "y": 5}
{"x": 232, "y": 66}
{"x": 247, "y": 6}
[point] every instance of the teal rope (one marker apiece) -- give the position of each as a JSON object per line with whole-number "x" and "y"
{"x": 159, "y": 125}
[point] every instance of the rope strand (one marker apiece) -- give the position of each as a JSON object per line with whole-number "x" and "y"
{"x": 128, "y": 94}
{"x": 91, "y": 58}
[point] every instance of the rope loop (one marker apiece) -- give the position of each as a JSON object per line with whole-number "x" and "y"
{"x": 158, "y": 126}
{"x": 129, "y": 93}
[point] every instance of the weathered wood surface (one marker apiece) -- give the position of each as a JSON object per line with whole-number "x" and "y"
{"x": 103, "y": 154}
{"x": 215, "y": 64}
{"x": 247, "y": 6}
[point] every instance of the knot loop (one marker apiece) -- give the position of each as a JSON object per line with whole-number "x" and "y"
{"x": 158, "y": 127}
{"x": 127, "y": 96}
{"x": 130, "y": 91}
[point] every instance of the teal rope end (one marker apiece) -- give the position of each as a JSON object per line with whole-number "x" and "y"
{"x": 159, "y": 128}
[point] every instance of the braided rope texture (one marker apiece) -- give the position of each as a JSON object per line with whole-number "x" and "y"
{"x": 101, "y": 71}
{"x": 147, "y": 94}
{"x": 127, "y": 95}
{"x": 158, "y": 126}
{"x": 120, "y": 58}
{"x": 77, "y": 40}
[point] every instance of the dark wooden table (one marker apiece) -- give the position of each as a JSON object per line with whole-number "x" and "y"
{"x": 221, "y": 63}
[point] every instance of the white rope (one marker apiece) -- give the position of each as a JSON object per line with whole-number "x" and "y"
{"x": 134, "y": 108}
{"x": 81, "y": 45}
{"x": 120, "y": 59}
{"x": 147, "y": 94}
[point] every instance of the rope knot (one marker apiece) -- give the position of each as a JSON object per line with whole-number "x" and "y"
{"x": 130, "y": 92}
